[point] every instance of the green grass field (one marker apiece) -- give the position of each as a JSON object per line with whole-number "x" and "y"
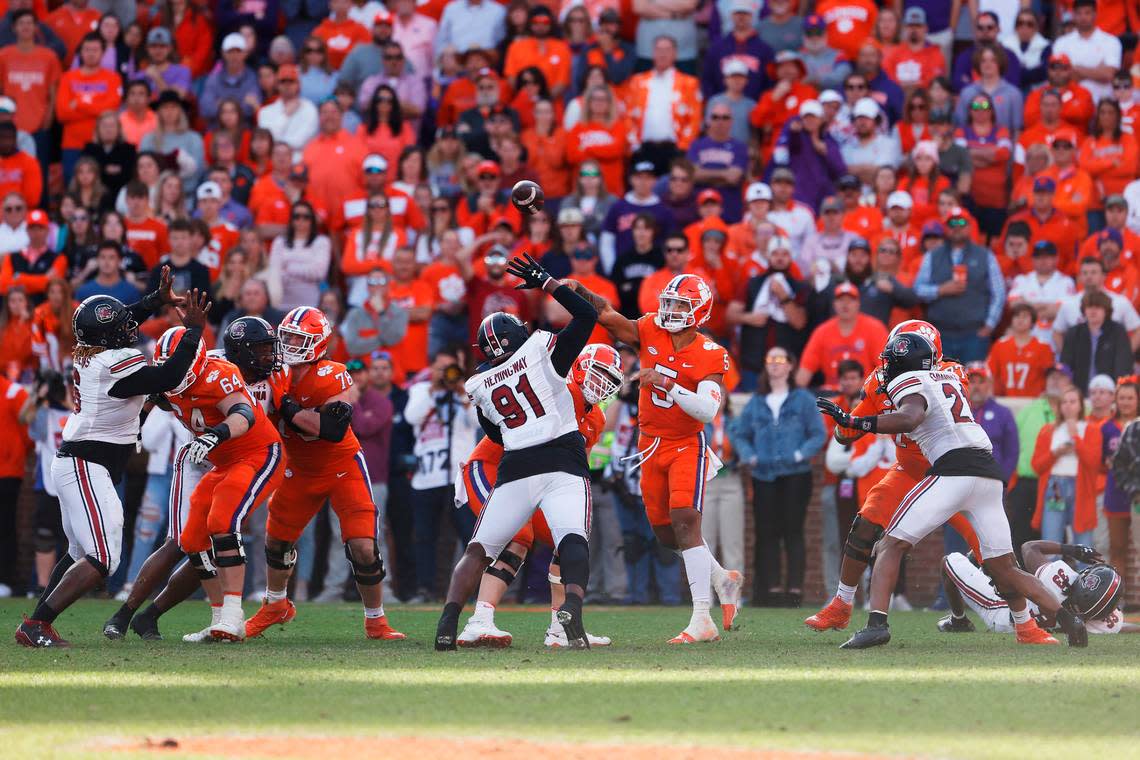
{"x": 772, "y": 685}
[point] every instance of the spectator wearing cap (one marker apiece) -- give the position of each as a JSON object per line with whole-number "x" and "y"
{"x": 290, "y": 118}
{"x": 770, "y": 309}
{"x": 849, "y": 23}
{"x": 617, "y": 233}
{"x": 825, "y": 248}
{"x": 826, "y": 66}
{"x": 467, "y": 24}
{"x": 987, "y": 29}
{"x": 377, "y": 321}
{"x": 916, "y": 61}
{"x": 1045, "y": 289}
{"x": 29, "y": 75}
{"x": 1116, "y": 218}
{"x": 415, "y": 32}
{"x": 481, "y": 209}
{"x": 899, "y": 225}
{"x": 782, "y": 102}
{"x": 1120, "y": 276}
{"x": 1110, "y": 157}
{"x": 1032, "y": 50}
{"x": 1076, "y": 192}
{"x": 538, "y": 47}
{"x": 332, "y": 156}
{"x": 19, "y": 172}
{"x": 33, "y": 267}
{"x": 735, "y": 76}
{"x": 1047, "y": 222}
{"x": 600, "y": 137}
{"x": 234, "y": 79}
{"x": 157, "y": 65}
{"x": 721, "y": 162}
{"x": 758, "y": 202}
{"x": 1077, "y": 104}
{"x": 409, "y": 86}
{"x": 568, "y": 237}
{"x": 991, "y": 151}
{"x": 1005, "y": 98}
{"x": 1095, "y": 54}
{"x": 963, "y": 287}
{"x": 850, "y": 334}
{"x": 607, "y": 51}
{"x": 367, "y": 58}
{"x": 741, "y": 45}
{"x": 173, "y": 139}
{"x": 995, "y": 418}
{"x": 340, "y": 33}
{"x": 808, "y": 150}
{"x": 224, "y": 236}
{"x": 794, "y": 217}
{"x": 663, "y": 104}
{"x": 868, "y": 148}
{"x": 710, "y": 211}
{"x": 491, "y": 291}
{"x": 84, "y": 92}
{"x": 1019, "y": 360}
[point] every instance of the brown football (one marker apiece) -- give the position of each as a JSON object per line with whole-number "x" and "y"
{"x": 527, "y": 196}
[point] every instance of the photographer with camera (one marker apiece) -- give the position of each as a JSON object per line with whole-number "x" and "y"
{"x": 445, "y": 427}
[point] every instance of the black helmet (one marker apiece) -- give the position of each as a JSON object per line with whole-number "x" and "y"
{"x": 906, "y": 352}
{"x": 104, "y": 321}
{"x": 1096, "y": 592}
{"x": 251, "y": 344}
{"x": 500, "y": 335}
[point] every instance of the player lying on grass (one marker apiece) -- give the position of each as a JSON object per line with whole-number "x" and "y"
{"x": 681, "y": 388}
{"x": 111, "y": 379}
{"x": 931, "y": 409}
{"x": 1093, "y": 593}
{"x": 523, "y": 401}
{"x": 595, "y": 378}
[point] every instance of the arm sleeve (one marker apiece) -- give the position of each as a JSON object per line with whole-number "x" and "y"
{"x": 573, "y": 337}
{"x": 490, "y": 428}
{"x": 703, "y": 404}
{"x": 151, "y": 379}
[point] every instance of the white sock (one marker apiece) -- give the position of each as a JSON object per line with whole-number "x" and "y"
{"x": 1021, "y": 617}
{"x": 554, "y": 617}
{"x": 484, "y": 611}
{"x": 846, "y": 593}
{"x": 215, "y": 614}
{"x": 718, "y": 571}
{"x": 698, "y": 567}
{"x": 231, "y": 604}
{"x": 372, "y": 613}
{"x": 272, "y": 596}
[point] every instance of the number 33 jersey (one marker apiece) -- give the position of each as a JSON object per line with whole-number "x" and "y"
{"x": 949, "y": 424}
{"x": 658, "y": 414}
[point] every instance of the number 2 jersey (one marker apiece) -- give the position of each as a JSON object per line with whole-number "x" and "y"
{"x": 1057, "y": 577}
{"x": 197, "y": 408}
{"x": 658, "y": 415}
{"x": 949, "y": 437}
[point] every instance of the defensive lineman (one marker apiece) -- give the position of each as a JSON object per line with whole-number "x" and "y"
{"x": 931, "y": 408}
{"x": 523, "y": 403}
{"x": 110, "y": 381}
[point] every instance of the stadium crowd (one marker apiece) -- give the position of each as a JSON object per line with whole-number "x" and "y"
{"x": 830, "y": 168}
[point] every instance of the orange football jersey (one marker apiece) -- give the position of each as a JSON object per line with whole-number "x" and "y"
{"x": 309, "y": 454}
{"x": 197, "y": 409}
{"x": 658, "y": 414}
{"x": 591, "y": 424}
{"x": 1020, "y": 370}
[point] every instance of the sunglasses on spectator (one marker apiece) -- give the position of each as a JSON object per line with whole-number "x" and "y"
{"x": 79, "y": 217}
{"x": 721, "y": 117}
{"x": 986, "y": 28}
{"x": 15, "y": 209}
{"x": 777, "y": 360}
{"x": 958, "y": 221}
{"x": 590, "y": 172}
{"x": 1122, "y": 85}
{"x": 393, "y": 56}
{"x": 377, "y": 204}
{"x": 314, "y": 50}
{"x": 303, "y": 215}
{"x": 440, "y": 209}
{"x": 980, "y": 105}
{"x": 916, "y": 106}
{"x": 1026, "y": 22}
{"x": 488, "y": 177}
{"x": 385, "y": 99}
{"x": 1062, "y": 145}
{"x": 675, "y": 249}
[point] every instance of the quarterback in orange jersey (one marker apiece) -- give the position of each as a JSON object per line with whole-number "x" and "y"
{"x": 595, "y": 377}
{"x": 884, "y": 498}
{"x": 325, "y": 463}
{"x": 241, "y": 443}
{"x": 681, "y": 388}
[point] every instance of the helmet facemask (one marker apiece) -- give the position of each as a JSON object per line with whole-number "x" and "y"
{"x": 675, "y": 312}
{"x": 297, "y": 346}
{"x": 600, "y": 383}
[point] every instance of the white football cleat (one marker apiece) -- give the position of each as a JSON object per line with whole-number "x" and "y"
{"x": 481, "y": 633}
{"x": 728, "y": 587}
{"x": 699, "y": 629}
{"x": 230, "y": 625}
{"x": 556, "y": 638}
{"x": 199, "y": 637}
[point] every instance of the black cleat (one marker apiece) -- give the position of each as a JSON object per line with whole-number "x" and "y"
{"x": 146, "y": 626}
{"x": 39, "y": 635}
{"x": 116, "y": 628}
{"x": 1074, "y": 628}
{"x": 951, "y": 624}
{"x": 446, "y": 634}
{"x": 871, "y": 636}
{"x": 575, "y": 630}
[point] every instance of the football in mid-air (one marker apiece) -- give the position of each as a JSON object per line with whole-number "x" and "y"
{"x": 527, "y": 196}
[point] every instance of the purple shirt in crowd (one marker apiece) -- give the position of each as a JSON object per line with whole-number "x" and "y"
{"x": 1000, "y": 426}
{"x": 372, "y": 423}
{"x": 708, "y": 153}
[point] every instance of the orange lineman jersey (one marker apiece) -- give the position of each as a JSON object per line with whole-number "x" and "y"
{"x": 197, "y": 409}
{"x": 324, "y": 380}
{"x": 659, "y": 416}
{"x": 590, "y": 424}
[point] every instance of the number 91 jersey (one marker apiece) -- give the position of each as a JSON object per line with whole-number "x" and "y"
{"x": 525, "y": 396}
{"x": 949, "y": 424}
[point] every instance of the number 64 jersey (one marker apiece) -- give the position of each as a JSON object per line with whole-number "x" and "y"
{"x": 949, "y": 424}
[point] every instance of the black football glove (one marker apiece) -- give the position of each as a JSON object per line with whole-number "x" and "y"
{"x": 528, "y": 270}
{"x": 1081, "y": 553}
{"x": 288, "y": 408}
{"x": 844, "y": 419}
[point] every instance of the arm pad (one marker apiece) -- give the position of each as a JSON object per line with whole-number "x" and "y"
{"x": 701, "y": 405}
{"x": 243, "y": 410}
{"x": 335, "y": 419}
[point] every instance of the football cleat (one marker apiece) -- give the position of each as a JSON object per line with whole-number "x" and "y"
{"x": 39, "y": 635}
{"x": 480, "y": 633}
{"x": 378, "y": 628}
{"x": 556, "y": 638}
{"x": 275, "y": 613}
{"x": 871, "y": 636}
{"x": 230, "y": 625}
{"x": 703, "y": 629}
{"x": 114, "y": 629}
{"x": 835, "y": 616}
{"x": 146, "y": 626}
{"x": 951, "y": 624}
{"x": 574, "y": 629}
{"x": 1031, "y": 633}
{"x": 199, "y": 637}
{"x": 728, "y": 592}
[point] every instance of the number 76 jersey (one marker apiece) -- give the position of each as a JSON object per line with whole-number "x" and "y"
{"x": 949, "y": 424}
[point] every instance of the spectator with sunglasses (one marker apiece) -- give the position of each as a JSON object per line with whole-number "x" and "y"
{"x": 1076, "y": 101}
{"x": 1030, "y": 47}
{"x": 317, "y": 80}
{"x": 986, "y": 30}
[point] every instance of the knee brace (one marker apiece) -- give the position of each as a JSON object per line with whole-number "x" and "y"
{"x": 574, "y": 559}
{"x": 370, "y": 573}
{"x": 228, "y": 542}
{"x": 858, "y": 547}
{"x": 203, "y": 564}
{"x": 506, "y": 574}
{"x": 281, "y": 559}
{"x": 95, "y": 563}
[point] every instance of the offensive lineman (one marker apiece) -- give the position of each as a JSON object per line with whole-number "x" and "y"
{"x": 524, "y": 403}
{"x": 681, "y": 377}
{"x": 930, "y": 407}
{"x": 110, "y": 382}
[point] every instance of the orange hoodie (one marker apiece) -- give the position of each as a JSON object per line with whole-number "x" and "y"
{"x": 1088, "y": 456}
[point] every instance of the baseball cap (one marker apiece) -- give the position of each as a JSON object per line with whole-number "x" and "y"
{"x": 743, "y": 6}
{"x": 811, "y": 108}
{"x": 1065, "y": 135}
{"x": 734, "y": 67}
{"x": 927, "y": 148}
{"x": 783, "y": 174}
{"x": 831, "y": 203}
{"x": 1060, "y": 367}
{"x": 849, "y": 182}
{"x": 383, "y": 16}
{"x": 233, "y": 41}
{"x": 570, "y": 215}
{"x": 1060, "y": 58}
{"x": 299, "y": 172}
{"x": 713, "y": 232}
{"x": 37, "y": 218}
{"x": 830, "y": 96}
{"x": 914, "y": 15}
{"x": 1044, "y": 185}
{"x": 779, "y": 243}
{"x": 488, "y": 167}
{"x": 209, "y": 190}
{"x": 644, "y": 167}
{"x": 584, "y": 254}
{"x": 814, "y": 23}
{"x": 7, "y": 105}
{"x": 497, "y": 254}
{"x": 846, "y": 289}
{"x": 933, "y": 229}
{"x": 1102, "y": 383}
{"x": 708, "y": 195}
{"x": 375, "y": 163}
{"x": 502, "y": 220}
{"x": 159, "y": 35}
{"x": 288, "y": 73}
{"x": 859, "y": 243}
{"x": 900, "y": 198}
{"x": 1044, "y": 248}
{"x": 758, "y": 191}
{"x": 978, "y": 368}
{"x": 865, "y": 107}
{"x": 1116, "y": 199}
{"x": 1109, "y": 234}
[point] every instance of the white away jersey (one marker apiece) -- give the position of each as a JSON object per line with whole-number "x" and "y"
{"x": 525, "y": 396}
{"x": 98, "y": 415}
{"x": 1057, "y": 577}
{"x": 949, "y": 424}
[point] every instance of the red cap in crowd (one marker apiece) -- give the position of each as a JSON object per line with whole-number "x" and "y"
{"x": 846, "y": 289}
{"x": 37, "y": 218}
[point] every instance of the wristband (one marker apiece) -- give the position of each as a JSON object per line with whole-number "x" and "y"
{"x": 222, "y": 430}
{"x": 866, "y": 424}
